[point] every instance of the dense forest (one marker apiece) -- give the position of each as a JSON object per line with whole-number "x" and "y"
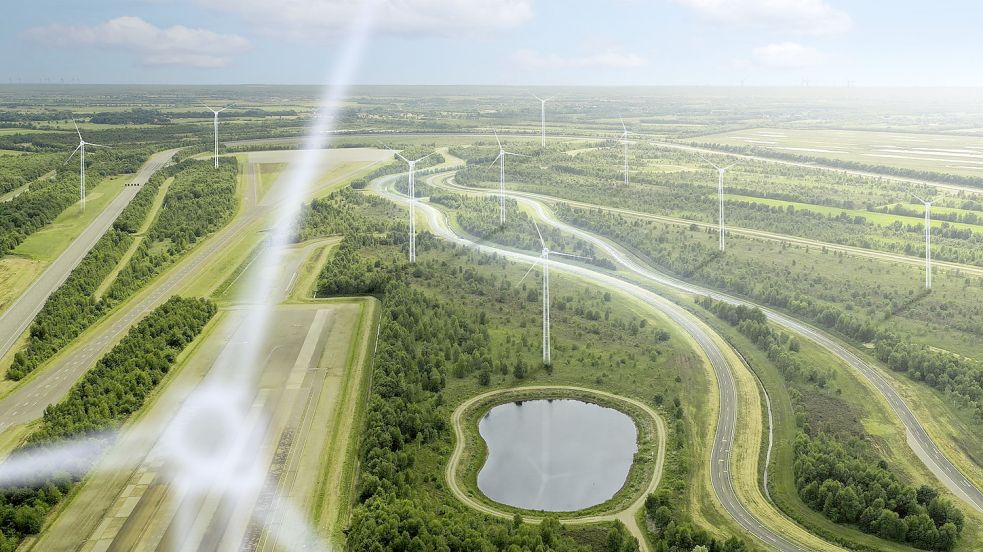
{"x": 71, "y": 309}
{"x": 435, "y": 337}
{"x": 198, "y": 202}
{"x": 203, "y": 200}
{"x": 101, "y": 401}
{"x": 675, "y": 184}
{"x": 47, "y": 198}
{"x": 18, "y": 170}
{"x": 853, "y": 307}
{"x": 837, "y": 469}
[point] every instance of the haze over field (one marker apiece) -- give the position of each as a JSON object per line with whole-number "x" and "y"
{"x": 511, "y": 275}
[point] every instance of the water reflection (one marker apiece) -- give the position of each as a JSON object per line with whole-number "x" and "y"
{"x": 555, "y": 455}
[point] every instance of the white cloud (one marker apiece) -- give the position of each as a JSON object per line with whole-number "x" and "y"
{"x": 307, "y": 18}
{"x": 813, "y": 17}
{"x": 178, "y": 45}
{"x": 532, "y": 60}
{"x": 787, "y": 55}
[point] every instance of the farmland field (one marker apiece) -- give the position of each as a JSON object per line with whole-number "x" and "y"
{"x": 962, "y": 155}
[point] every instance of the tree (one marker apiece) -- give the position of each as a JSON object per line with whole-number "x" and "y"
{"x": 519, "y": 370}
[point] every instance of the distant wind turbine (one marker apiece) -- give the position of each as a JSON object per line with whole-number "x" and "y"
{"x": 214, "y": 112}
{"x": 501, "y": 181}
{"x": 81, "y": 150}
{"x": 542, "y": 116}
{"x": 411, "y": 189}
{"x": 624, "y": 138}
{"x": 720, "y": 197}
{"x": 544, "y": 258}
{"x": 928, "y": 241}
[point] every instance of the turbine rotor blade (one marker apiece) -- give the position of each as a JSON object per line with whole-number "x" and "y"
{"x": 541, "y": 240}
{"x": 496, "y": 139}
{"x": 918, "y": 198}
{"x": 425, "y": 156}
{"x": 623, "y": 126}
{"x": 78, "y": 147}
{"x": 495, "y": 159}
{"x": 516, "y": 154}
{"x": 571, "y": 255}
{"x": 716, "y": 166}
{"x": 97, "y": 145}
{"x": 527, "y": 272}
{"x": 77, "y": 129}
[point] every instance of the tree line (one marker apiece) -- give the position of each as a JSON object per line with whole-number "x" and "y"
{"x": 101, "y": 401}
{"x": 810, "y": 296}
{"x": 202, "y": 204}
{"x": 46, "y": 199}
{"x": 198, "y": 202}
{"x": 836, "y": 471}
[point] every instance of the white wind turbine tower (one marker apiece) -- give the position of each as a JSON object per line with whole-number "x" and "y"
{"x": 81, "y": 150}
{"x": 501, "y": 181}
{"x": 720, "y": 197}
{"x": 215, "y": 122}
{"x": 928, "y": 241}
{"x": 624, "y": 138}
{"x": 542, "y": 116}
{"x": 411, "y": 189}
{"x": 544, "y": 258}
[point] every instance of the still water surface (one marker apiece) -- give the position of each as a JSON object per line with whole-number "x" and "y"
{"x": 558, "y": 455}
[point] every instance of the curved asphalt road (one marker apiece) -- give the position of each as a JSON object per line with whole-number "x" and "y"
{"x": 918, "y": 439}
{"x": 720, "y": 455}
{"x": 21, "y": 313}
{"x": 876, "y": 254}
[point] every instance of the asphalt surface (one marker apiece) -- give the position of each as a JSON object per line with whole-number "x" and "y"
{"x": 21, "y": 313}
{"x": 50, "y": 383}
{"x": 28, "y": 401}
{"x": 917, "y": 261}
{"x": 918, "y": 439}
{"x": 720, "y": 455}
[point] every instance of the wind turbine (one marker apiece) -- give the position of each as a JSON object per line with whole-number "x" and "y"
{"x": 81, "y": 150}
{"x": 411, "y": 188}
{"x": 624, "y": 138}
{"x": 928, "y": 241}
{"x": 544, "y": 258}
{"x": 215, "y": 156}
{"x": 720, "y": 196}
{"x": 542, "y": 115}
{"x": 501, "y": 182}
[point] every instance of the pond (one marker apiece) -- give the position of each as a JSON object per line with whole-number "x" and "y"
{"x": 555, "y": 455}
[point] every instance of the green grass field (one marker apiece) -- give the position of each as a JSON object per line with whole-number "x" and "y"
{"x": 882, "y": 219}
{"x": 49, "y": 242}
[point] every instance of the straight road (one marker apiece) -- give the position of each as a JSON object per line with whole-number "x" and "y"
{"x": 50, "y": 383}
{"x": 720, "y": 455}
{"x": 918, "y": 439}
{"x": 21, "y": 313}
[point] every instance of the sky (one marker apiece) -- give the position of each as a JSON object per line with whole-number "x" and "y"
{"x": 498, "y": 42}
